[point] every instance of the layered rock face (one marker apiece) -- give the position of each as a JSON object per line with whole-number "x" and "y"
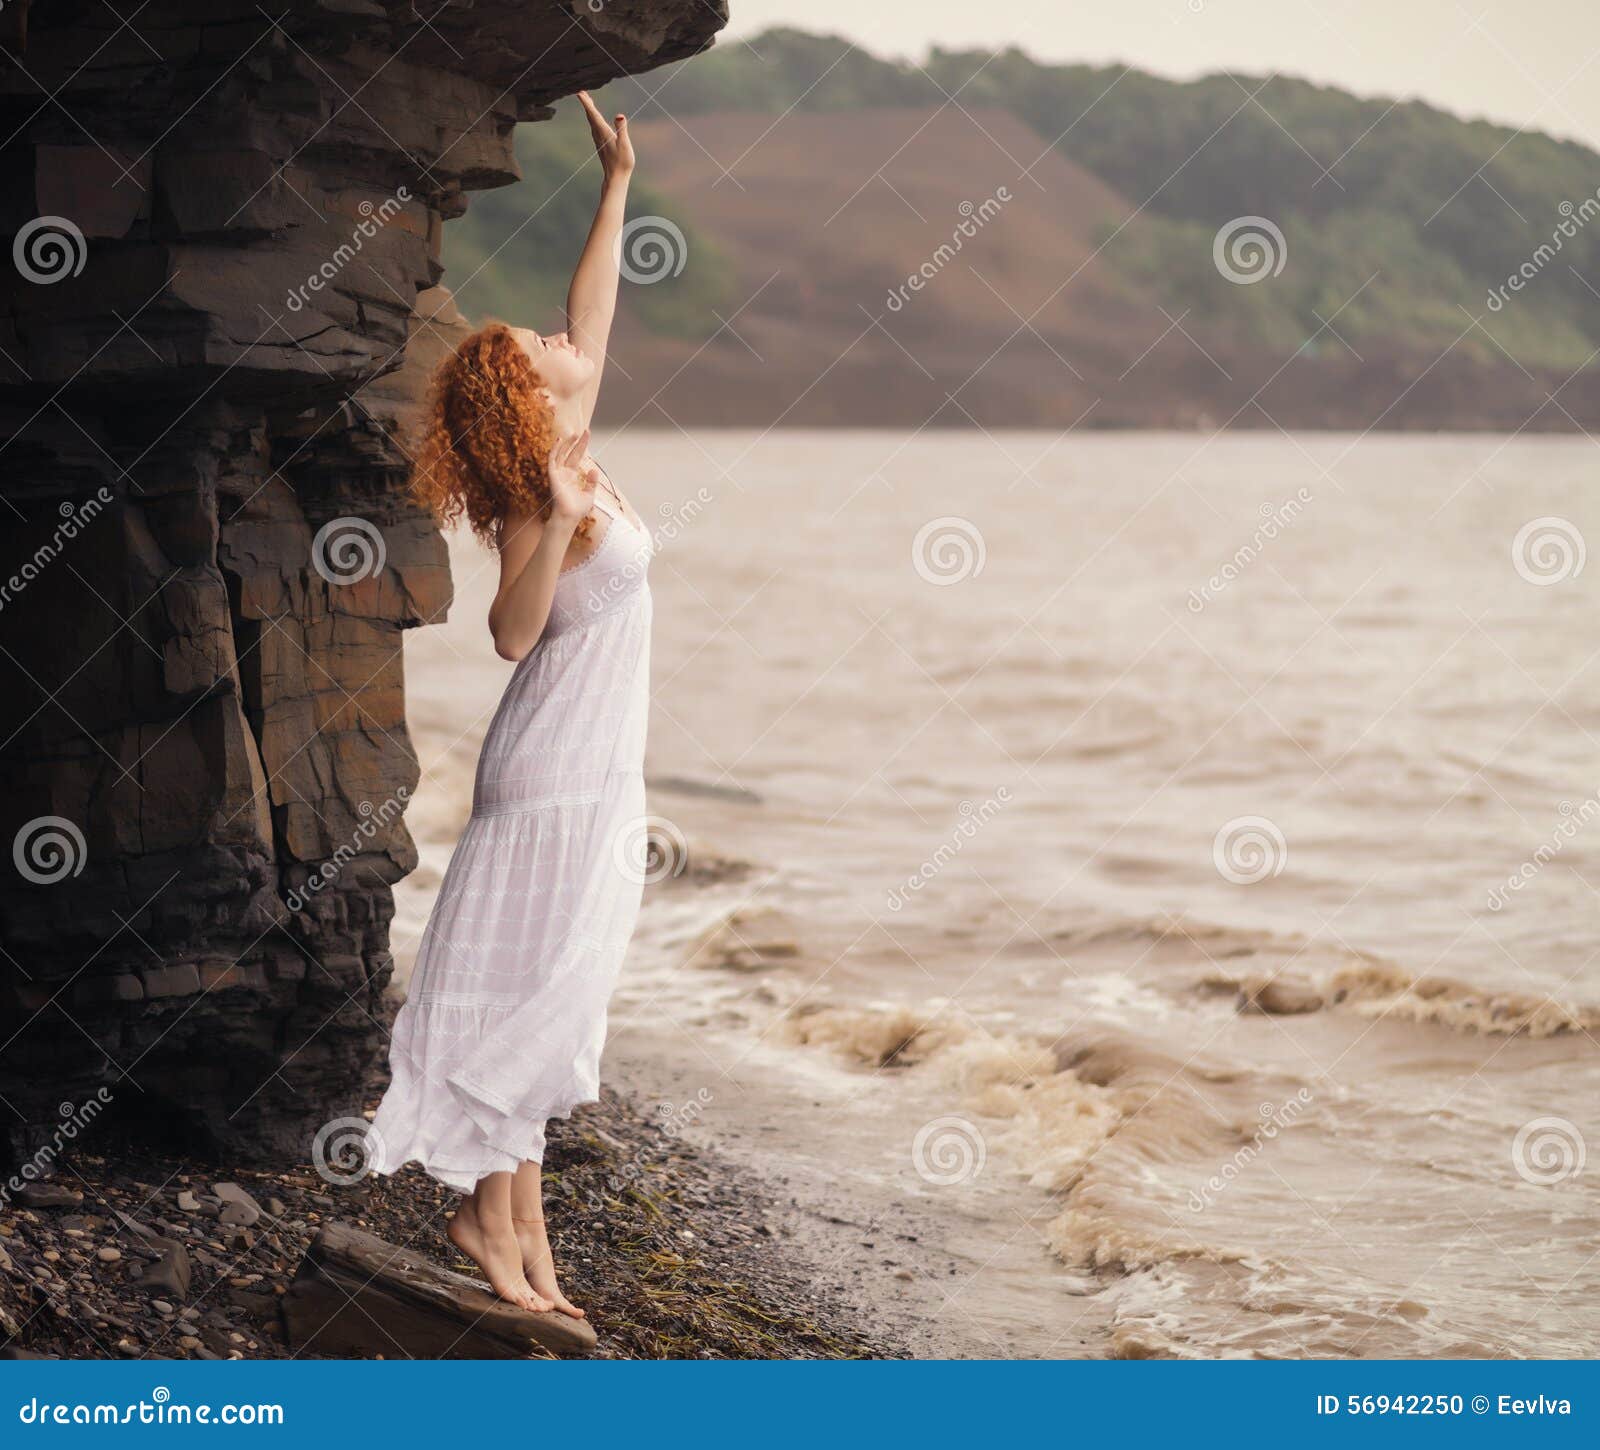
{"x": 217, "y": 226}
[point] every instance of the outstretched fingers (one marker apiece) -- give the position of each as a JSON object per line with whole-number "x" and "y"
{"x": 570, "y": 449}
{"x": 597, "y": 122}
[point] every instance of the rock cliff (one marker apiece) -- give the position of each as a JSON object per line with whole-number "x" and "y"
{"x": 218, "y": 223}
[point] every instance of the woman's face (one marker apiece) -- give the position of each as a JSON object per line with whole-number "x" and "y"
{"x": 561, "y": 367}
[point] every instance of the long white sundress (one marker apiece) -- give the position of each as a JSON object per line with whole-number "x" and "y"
{"x": 506, "y": 1017}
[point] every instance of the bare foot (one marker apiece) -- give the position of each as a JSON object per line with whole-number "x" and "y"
{"x": 539, "y": 1264}
{"x": 498, "y": 1255}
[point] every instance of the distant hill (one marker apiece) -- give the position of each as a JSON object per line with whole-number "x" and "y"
{"x": 1063, "y": 222}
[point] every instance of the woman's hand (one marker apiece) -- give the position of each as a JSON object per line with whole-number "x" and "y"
{"x": 612, "y": 143}
{"x": 571, "y": 484}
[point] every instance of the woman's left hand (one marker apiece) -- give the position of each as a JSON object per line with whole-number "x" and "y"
{"x": 612, "y": 143}
{"x": 571, "y": 478}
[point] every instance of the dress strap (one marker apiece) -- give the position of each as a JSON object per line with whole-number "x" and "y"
{"x": 612, "y": 509}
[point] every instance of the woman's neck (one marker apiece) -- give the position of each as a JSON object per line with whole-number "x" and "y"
{"x": 567, "y": 415}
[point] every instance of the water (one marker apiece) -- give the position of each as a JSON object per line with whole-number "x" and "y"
{"x": 988, "y": 837}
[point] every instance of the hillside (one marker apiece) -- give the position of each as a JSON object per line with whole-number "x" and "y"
{"x": 810, "y": 181}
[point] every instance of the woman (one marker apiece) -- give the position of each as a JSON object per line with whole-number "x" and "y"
{"x": 504, "y": 1023}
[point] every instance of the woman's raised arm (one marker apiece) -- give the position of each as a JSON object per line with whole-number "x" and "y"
{"x": 592, "y": 298}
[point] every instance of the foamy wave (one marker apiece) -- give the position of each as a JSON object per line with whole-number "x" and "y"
{"x": 1088, "y": 1240}
{"x": 1381, "y": 989}
{"x": 745, "y": 939}
{"x": 1377, "y": 988}
{"x": 1051, "y": 1114}
{"x": 1050, "y": 1121}
{"x": 1102, "y": 1127}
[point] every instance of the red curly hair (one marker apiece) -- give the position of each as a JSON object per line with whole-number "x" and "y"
{"x": 486, "y": 436}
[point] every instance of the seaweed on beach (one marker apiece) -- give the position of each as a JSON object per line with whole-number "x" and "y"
{"x": 125, "y": 1252}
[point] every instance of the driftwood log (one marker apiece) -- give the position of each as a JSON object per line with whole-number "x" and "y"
{"x": 356, "y": 1296}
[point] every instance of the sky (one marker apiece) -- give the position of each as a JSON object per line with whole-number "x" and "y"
{"x": 1527, "y": 63}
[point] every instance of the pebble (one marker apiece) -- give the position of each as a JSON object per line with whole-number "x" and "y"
{"x": 187, "y": 1214}
{"x": 233, "y": 1193}
{"x": 108, "y": 1254}
{"x": 48, "y": 1195}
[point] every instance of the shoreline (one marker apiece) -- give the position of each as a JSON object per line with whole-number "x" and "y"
{"x": 674, "y": 1252}
{"x": 938, "y": 1270}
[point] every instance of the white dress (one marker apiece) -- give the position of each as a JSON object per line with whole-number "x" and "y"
{"x": 506, "y": 1017}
